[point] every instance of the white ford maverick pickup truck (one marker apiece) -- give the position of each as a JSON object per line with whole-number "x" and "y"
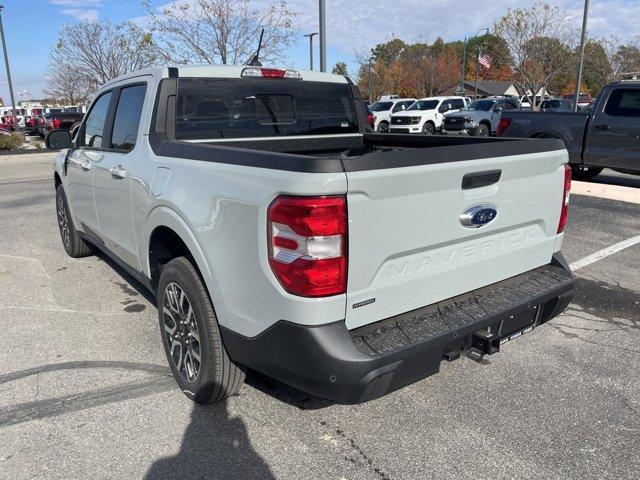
{"x": 280, "y": 234}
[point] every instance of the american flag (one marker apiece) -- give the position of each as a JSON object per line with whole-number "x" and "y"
{"x": 485, "y": 60}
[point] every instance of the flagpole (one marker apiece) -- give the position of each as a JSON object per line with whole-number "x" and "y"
{"x": 475, "y": 93}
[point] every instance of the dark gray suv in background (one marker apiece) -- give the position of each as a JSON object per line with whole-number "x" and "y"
{"x": 480, "y": 117}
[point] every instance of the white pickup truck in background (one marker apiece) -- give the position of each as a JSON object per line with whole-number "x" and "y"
{"x": 426, "y": 115}
{"x": 384, "y": 108}
{"x": 279, "y": 233}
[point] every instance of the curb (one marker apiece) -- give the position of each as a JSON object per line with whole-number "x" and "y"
{"x": 611, "y": 192}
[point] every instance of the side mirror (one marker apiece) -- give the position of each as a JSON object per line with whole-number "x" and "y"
{"x": 58, "y": 139}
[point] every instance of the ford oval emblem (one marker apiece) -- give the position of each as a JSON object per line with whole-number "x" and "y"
{"x": 479, "y": 215}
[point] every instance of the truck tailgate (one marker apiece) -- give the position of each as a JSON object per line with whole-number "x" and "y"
{"x": 408, "y": 247}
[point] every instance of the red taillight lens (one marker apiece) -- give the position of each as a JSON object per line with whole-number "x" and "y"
{"x": 56, "y": 123}
{"x": 503, "y": 124}
{"x": 307, "y": 244}
{"x": 564, "y": 213}
{"x": 272, "y": 73}
{"x": 372, "y": 120}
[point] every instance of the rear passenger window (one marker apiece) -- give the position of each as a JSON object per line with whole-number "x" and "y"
{"x": 624, "y": 103}
{"x": 94, "y": 126}
{"x": 457, "y": 103}
{"x": 127, "y": 118}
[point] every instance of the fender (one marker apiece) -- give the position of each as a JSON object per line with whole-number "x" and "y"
{"x": 164, "y": 216}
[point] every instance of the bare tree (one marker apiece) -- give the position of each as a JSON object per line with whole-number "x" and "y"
{"x": 67, "y": 84}
{"x": 220, "y": 31}
{"x": 624, "y": 57}
{"x": 541, "y": 43}
{"x": 98, "y": 51}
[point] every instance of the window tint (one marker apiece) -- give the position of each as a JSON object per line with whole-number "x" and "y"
{"x": 127, "y": 118}
{"x": 424, "y": 105}
{"x": 624, "y": 103}
{"x": 275, "y": 109}
{"x": 381, "y": 106}
{"x": 94, "y": 125}
{"x": 210, "y": 108}
{"x": 508, "y": 106}
{"x": 457, "y": 103}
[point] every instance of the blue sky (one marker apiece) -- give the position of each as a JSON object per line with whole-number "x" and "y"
{"x": 31, "y": 26}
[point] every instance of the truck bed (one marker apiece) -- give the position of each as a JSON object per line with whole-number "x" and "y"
{"x": 351, "y": 152}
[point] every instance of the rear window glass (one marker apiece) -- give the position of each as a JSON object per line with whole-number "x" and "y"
{"x": 213, "y": 108}
{"x": 275, "y": 109}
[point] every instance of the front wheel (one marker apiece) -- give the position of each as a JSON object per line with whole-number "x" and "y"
{"x": 383, "y": 127}
{"x": 75, "y": 246}
{"x": 481, "y": 131}
{"x": 191, "y": 336}
{"x": 428, "y": 128}
{"x": 584, "y": 173}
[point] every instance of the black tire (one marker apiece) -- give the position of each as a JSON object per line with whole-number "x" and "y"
{"x": 585, "y": 173}
{"x": 383, "y": 127}
{"x": 428, "y": 128}
{"x": 75, "y": 246}
{"x": 481, "y": 131}
{"x": 217, "y": 376}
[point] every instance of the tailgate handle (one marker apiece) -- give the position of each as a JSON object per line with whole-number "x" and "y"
{"x": 480, "y": 179}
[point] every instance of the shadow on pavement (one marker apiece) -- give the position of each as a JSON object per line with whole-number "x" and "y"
{"x": 611, "y": 177}
{"x": 607, "y": 301}
{"x": 215, "y": 445}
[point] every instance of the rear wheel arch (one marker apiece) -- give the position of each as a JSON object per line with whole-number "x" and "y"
{"x": 172, "y": 237}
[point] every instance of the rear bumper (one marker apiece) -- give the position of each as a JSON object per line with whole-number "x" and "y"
{"x": 355, "y": 366}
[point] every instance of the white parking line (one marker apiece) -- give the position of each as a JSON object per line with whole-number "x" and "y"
{"x": 605, "y": 252}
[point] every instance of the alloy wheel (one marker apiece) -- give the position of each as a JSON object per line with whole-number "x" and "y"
{"x": 181, "y": 332}
{"x": 63, "y": 222}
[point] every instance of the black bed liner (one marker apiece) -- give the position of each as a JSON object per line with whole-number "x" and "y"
{"x": 367, "y": 151}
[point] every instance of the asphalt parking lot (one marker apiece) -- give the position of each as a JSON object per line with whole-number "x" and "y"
{"x": 85, "y": 391}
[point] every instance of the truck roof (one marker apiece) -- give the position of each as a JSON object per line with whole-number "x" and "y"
{"x": 221, "y": 71}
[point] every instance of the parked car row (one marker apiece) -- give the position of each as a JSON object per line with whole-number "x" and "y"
{"x": 40, "y": 121}
{"x": 442, "y": 114}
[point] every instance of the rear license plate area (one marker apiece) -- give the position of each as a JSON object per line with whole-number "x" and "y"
{"x": 518, "y": 324}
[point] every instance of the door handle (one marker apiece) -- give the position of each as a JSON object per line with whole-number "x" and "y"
{"x": 118, "y": 172}
{"x": 602, "y": 126}
{"x": 86, "y": 166}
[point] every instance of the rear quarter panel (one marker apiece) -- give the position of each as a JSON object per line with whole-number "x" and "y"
{"x": 223, "y": 210}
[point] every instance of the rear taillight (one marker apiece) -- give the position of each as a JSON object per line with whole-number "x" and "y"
{"x": 308, "y": 244}
{"x": 371, "y": 119}
{"x": 56, "y": 123}
{"x": 503, "y": 124}
{"x": 564, "y": 213}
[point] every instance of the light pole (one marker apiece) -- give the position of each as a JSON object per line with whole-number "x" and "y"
{"x": 323, "y": 35}
{"x": 464, "y": 66}
{"x": 475, "y": 93}
{"x": 582, "y": 45}
{"x": 6, "y": 62}
{"x": 311, "y": 35}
